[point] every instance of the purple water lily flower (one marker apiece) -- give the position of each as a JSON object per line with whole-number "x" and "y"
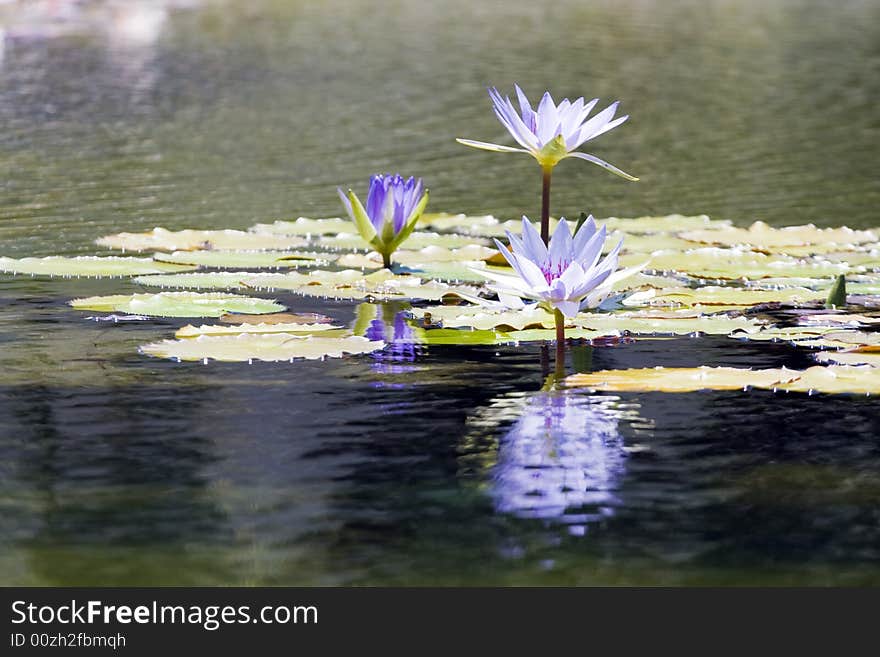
{"x": 393, "y": 207}
{"x": 552, "y": 132}
{"x": 567, "y": 275}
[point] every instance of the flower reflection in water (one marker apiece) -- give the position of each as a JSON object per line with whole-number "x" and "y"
{"x": 562, "y": 460}
{"x": 389, "y": 322}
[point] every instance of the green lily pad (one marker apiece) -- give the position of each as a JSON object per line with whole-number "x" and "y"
{"x": 326, "y": 330}
{"x": 305, "y": 227}
{"x": 161, "y": 239}
{"x": 870, "y": 358}
{"x": 672, "y": 223}
{"x": 271, "y": 347}
{"x": 600, "y": 324}
{"x": 88, "y": 266}
{"x": 248, "y": 259}
{"x": 485, "y": 225}
{"x": 731, "y": 297}
{"x": 760, "y": 236}
{"x": 852, "y": 340}
{"x": 178, "y": 304}
{"x": 680, "y": 379}
{"x": 417, "y": 240}
{"x": 793, "y": 334}
{"x": 832, "y": 379}
{"x": 733, "y": 264}
{"x": 220, "y": 280}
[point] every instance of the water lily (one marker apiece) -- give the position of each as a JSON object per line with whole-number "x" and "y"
{"x": 551, "y": 133}
{"x": 566, "y": 276}
{"x": 393, "y": 207}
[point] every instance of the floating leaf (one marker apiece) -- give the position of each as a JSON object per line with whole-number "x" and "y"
{"x": 277, "y": 318}
{"x": 486, "y": 225}
{"x": 417, "y": 240}
{"x": 305, "y": 226}
{"x": 220, "y": 280}
{"x": 672, "y": 223}
{"x": 849, "y": 358}
{"x": 178, "y": 304}
{"x": 838, "y": 319}
{"x": 533, "y": 317}
{"x": 327, "y": 330}
{"x": 761, "y": 236}
{"x": 161, "y": 239}
{"x": 832, "y": 379}
{"x": 839, "y": 379}
{"x": 247, "y": 347}
{"x": 733, "y": 264}
{"x": 485, "y": 317}
{"x": 535, "y": 335}
{"x": 248, "y": 259}
{"x": 732, "y": 296}
{"x": 680, "y": 379}
{"x": 89, "y": 266}
{"x": 794, "y": 334}
{"x": 854, "y": 340}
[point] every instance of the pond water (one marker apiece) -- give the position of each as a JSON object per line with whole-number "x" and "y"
{"x": 444, "y": 465}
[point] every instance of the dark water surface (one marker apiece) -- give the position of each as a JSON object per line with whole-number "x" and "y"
{"x": 446, "y": 466}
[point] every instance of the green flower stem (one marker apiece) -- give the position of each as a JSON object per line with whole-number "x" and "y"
{"x": 545, "y": 205}
{"x": 560, "y": 344}
{"x": 386, "y": 260}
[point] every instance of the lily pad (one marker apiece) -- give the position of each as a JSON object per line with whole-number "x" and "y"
{"x": 672, "y": 223}
{"x": 680, "y": 379}
{"x": 533, "y": 317}
{"x": 305, "y": 227}
{"x": 277, "y": 318}
{"x": 733, "y": 264}
{"x": 485, "y": 225}
{"x": 832, "y": 379}
{"x": 429, "y": 254}
{"x": 793, "y": 334}
{"x": 220, "y": 280}
{"x": 272, "y": 347}
{"x": 761, "y": 236}
{"x": 837, "y": 379}
{"x": 161, "y": 239}
{"x": 729, "y": 297}
{"x": 851, "y": 340}
{"x": 849, "y": 358}
{"x": 178, "y": 304}
{"x": 88, "y": 266}
{"x": 248, "y": 259}
{"x": 327, "y": 330}
{"x": 417, "y": 240}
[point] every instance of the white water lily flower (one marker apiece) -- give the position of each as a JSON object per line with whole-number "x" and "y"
{"x": 552, "y": 132}
{"x": 567, "y": 276}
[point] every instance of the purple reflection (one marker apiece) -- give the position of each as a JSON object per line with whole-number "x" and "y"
{"x": 391, "y": 325}
{"x": 561, "y": 460}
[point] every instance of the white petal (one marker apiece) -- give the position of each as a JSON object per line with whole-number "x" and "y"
{"x": 608, "y": 126}
{"x": 596, "y": 123}
{"x": 583, "y": 235}
{"x": 589, "y": 256}
{"x": 601, "y": 163}
{"x": 560, "y": 244}
{"x": 568, "y": 308}
{"x": 532, "y": 274}
{"x": 535, "y": 249}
